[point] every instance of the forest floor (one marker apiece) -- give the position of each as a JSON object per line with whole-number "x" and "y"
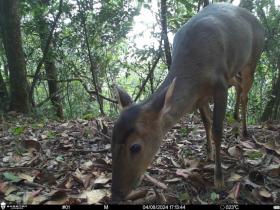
{"x": 69, "y": 162}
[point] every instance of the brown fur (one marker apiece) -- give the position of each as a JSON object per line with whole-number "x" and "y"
{"x": 218, "y": 47}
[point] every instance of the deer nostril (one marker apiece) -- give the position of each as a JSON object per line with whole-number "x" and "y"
{"x": 135, "y": 148}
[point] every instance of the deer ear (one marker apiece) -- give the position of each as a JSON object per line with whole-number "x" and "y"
{"x": 162, "y": 104}
{"x": 124, "y": 100}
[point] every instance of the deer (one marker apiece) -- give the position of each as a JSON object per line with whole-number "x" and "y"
{"x": 217, "y": 48}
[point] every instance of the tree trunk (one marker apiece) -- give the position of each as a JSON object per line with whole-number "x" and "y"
{"x": 272, "y": 106}
{"x": 3, "y": 94}
{"x": 10, "y": 24}
{"x": 50, "y": 68}
{"x": 93, "y": 68}
{"x": 164, "y": 35}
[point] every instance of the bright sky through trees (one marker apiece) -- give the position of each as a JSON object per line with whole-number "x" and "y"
{"x": 145, "y": 24}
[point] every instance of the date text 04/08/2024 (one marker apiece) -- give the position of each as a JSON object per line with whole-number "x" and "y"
{"x": 165, "y": 207}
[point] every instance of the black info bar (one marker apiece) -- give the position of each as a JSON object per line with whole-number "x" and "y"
{"x": 142, "y": 207}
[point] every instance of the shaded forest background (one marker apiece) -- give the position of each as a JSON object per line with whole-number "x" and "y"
{"x": 60, "y": 58}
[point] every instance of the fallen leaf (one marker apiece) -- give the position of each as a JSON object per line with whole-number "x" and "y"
{"x": 235, "y": 151}
{"x": 175, "y": 163}
{"x": 191, "y": 163}
{"x": 270, "y": 144}
{"x": 264, "y": 193}
{"x": 234, "y": 177}
{"x": 78, "y": 176}
{"x": 273, "y": 170}
{"x": 102, "y": 180}
{"x": 69, "y": 183}
{"x": 25, "y": 176}
{"x": 6, "y": 159}
{"x": 45, "y": 177}
{"x": 248, "y": 144}
{"x": 3, "y": 186}
{"x": 235, "y": 192}
{"x": 14, "y": 198}
{"x": 93, "y": 196}
{"x": 7, "y": 188}
{"x": 174, "y": 180}
{"x": 87, "y": 165}
{"x": 31, "y": 144}
{"x": 57, "y": 197}
{"x": 11, "y": 177}
{"x": 27, "y": 198}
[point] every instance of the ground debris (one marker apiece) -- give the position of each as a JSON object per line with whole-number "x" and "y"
{"x": 69, "y": 162}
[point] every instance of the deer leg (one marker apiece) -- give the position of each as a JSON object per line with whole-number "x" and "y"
{"x": 206, "y": 119}
{"x": 236, "y": 108}
{"x": 247, "y": 82}
{"x": 220, "y": 103}
{"x": 244, "y": 102}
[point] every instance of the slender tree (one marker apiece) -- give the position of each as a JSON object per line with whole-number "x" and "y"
{"x": 43, "y": 27}
{"x": 3, "y": 93}
{"x": 11, "y": 34}
{"x": 164, "y": 34}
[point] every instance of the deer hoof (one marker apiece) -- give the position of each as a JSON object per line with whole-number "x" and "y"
{"x": 219, "y": 183}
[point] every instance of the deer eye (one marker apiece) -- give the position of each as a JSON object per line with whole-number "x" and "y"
{"x": 135, "y": 148}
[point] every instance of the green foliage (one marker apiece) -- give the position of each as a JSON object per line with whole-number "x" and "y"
{"x": 184, "y": 197}
{"x": 11, "y": 177}
{"x": 59, "y": 158}
{"x": 186, "y": 152}
{"x": 185, "y": 131}
{"x": 254, "y": 155}
{"x": 17, "y": 131}
{"x": 214, "y": 196}
{"x": 50, "y": 135}
{"x": 114, "y": 56}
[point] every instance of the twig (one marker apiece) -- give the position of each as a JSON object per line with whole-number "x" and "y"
{"x": 155, "y": 182}
{"x": 91, "y": 91}
{"x": 19, "y": 168}
{"x": 33, "y": 184}
{"x": 48, "y": 98}
{"x": 102, "y": 134}
{"x": 81, "y": 151}
{"x": 148, "y": 77}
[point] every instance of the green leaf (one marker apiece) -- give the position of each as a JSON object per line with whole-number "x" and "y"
{"x": 18, "y": 131}
{"x": 59, "y": 158}
{"x": 11, "y": 177}
{"x": 50, "y": 134}
{"x": 254, "y": 155}
{"x": 183, "y": 197}
{"x": 214, "y": 196}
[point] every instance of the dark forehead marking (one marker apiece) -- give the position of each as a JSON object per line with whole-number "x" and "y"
{"x": 125, "y": 125}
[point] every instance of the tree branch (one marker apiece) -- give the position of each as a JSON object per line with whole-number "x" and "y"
{"x": 148, "y": 77}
